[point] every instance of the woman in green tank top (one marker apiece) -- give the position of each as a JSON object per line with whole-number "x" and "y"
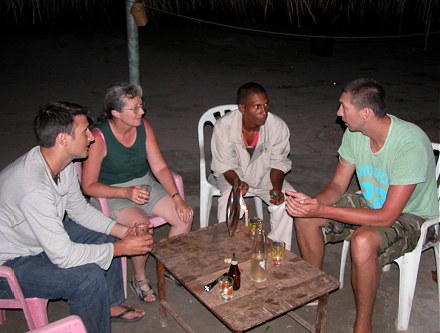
{"x": 124, "y": 155}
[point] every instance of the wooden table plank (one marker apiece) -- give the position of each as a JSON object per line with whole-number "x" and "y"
{"x": 287, "y": 287}
{"x": 202, "y": 251}
{"x": 197, "y": 258}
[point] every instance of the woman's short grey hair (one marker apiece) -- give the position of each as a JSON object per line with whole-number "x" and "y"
{"x": 117, "y": 96}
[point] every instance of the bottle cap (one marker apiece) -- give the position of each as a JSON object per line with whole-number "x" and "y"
{"x": 234, "y": 260}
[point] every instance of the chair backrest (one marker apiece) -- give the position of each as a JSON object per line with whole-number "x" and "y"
{"x": 102, "y": 201}
{"x": 70, "y": 324}
{"x": 210, "y": 117}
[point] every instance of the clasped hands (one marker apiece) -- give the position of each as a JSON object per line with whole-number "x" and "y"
{"x": 301, "y": 205}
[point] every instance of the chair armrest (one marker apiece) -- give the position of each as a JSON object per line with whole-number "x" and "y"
{"x": 104, "y": 206}
{"x": 7, "y": 273}
{"x": 424, "y": 230}
{"x": 429, "y": 223}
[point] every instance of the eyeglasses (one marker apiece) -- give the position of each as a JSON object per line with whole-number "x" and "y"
{"x": 137, "y": 108}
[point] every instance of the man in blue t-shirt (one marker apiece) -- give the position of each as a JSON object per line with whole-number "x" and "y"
{"x": 395, "y": 167}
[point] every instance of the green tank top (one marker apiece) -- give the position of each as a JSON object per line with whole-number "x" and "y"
{"x": 122, "y": 164}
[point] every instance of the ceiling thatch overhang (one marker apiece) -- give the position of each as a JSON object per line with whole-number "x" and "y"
{"x": 293, "y": 12}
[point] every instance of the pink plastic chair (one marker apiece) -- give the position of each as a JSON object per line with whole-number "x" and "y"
{"x": 70, "y": 324}
{"x": 34, "y": 309}
{"x": 154, "y": 220}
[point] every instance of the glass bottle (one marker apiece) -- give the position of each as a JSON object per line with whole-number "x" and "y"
{"x": 259, "y": 255}
{"x": 234, "y": 272}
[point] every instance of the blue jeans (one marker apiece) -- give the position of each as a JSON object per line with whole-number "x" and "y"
{"x": 89, "y": 290}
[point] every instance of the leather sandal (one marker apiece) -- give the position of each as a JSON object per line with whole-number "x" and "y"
{"x": 136, "y": 287}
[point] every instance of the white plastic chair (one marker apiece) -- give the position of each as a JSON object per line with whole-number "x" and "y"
{"x": 208, "y": 185}
{"x": 34, "y": 309}
{"x": 70, "y": 324}
{"x": 408, "y": 263}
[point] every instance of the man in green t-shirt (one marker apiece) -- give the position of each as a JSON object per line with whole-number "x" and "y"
{"x": 395, "y": 167}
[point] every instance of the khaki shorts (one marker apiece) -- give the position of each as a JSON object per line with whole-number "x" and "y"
{"x": 117, "y": 204}
{"x": 400, "y": 238}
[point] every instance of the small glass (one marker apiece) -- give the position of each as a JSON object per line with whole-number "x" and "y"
{"x": 253, "y": 226}
{"x": 226, "y": 285}
{"x": 277, "y": 252}
{"x": 147, "y": 188}
{"x": 142, "y": 228}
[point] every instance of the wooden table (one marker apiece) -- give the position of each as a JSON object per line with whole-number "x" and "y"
{"x": 197, "y": 258}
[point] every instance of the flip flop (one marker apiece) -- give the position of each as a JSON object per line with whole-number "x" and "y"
{"x": 120, "y": 317}
{"x": 136, "y": 287}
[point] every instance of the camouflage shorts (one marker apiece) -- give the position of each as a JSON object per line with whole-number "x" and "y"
{"x": 397, "y": 240}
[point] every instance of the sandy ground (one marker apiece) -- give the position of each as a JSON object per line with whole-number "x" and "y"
{"x": 188, "y": 68}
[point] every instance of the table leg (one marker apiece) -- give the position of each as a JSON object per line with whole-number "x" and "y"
{"x": 162, "y": 293}
{"x": 321, "y": 316}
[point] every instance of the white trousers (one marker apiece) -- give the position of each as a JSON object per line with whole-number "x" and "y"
{"x": 281, "y": 224}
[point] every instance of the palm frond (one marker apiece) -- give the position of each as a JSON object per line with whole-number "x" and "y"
{"x": 293, "y": 10}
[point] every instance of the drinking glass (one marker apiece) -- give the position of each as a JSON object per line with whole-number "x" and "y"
{"x": 226, "y": 285}
{"x": 277, "y": 252}
{"x": 253, "y": 226}
{"x": 147, "y": 188}
{"x": 141, "y": 228}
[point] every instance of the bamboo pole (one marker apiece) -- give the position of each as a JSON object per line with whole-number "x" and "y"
{"x": 132, "y": 45}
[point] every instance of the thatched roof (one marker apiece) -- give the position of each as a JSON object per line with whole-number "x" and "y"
{"x": 424, "y": 12}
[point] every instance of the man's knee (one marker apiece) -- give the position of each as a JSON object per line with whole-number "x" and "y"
{"x": 365, "y": 243}
{"x": 308, "y": 224}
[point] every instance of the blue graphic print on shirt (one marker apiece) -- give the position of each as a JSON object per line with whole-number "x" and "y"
{"x": 374, "y": 183}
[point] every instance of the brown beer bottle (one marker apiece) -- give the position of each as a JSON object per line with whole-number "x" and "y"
{"x": 234, "y": 272}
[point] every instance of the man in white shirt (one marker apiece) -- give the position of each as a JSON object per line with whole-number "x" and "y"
{"x": 252, "y": 144}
